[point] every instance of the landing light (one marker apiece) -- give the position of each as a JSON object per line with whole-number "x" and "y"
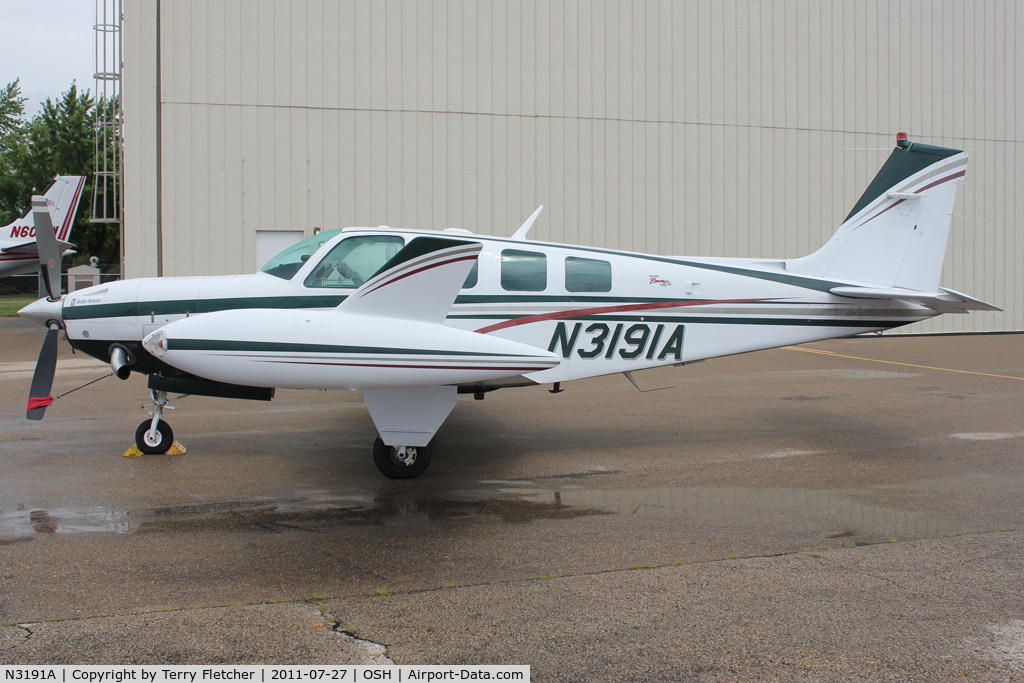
{"x": 156, "y": 343}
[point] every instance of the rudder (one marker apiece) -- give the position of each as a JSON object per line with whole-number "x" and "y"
{"x": 896, "y": 234}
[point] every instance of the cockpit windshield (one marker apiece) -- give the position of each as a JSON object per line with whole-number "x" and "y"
{"x": 288, "y": 262}
{"x": 354, "y": 260}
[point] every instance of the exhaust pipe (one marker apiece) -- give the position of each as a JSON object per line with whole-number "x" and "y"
{"x": 121, "y": 362}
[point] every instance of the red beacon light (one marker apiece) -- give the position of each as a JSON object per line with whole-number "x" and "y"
{"x": 902, "y": 140}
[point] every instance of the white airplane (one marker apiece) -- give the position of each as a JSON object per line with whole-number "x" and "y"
{"x": 412, "y": 318}
{"x": 18, "y": 252}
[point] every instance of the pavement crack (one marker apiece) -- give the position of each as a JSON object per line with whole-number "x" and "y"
{"x": 373, "y": 653}
{"x": 377, "y": 653}
{"x": 23, "y": 627}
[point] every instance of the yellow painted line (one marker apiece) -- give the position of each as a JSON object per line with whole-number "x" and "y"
{"x": 909, "y": 365}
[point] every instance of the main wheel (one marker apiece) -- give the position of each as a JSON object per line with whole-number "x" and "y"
{"x": 387, "y": 460}
{"x": 154, "y": 444}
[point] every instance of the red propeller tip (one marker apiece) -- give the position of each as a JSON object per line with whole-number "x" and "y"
{"x": 39, "y": 402}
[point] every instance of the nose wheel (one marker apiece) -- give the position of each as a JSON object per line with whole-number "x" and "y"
{"x": 154, "y": 441}
{"x": 154, "y": 436}
{"x": 400, "y": 462}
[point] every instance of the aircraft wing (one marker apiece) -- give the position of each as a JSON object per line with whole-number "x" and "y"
{"x": 30, "y": 248}
{"x": 943, "y": 301}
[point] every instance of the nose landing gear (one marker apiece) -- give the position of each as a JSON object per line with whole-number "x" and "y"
{"x": 154, "y": 436}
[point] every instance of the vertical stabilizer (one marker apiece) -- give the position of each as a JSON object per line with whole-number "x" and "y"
{"x": 62, "y": 197}
{"x": 895, "y": 236}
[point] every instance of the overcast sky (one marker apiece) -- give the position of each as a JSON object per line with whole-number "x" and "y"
{"x": 48, "y": 44}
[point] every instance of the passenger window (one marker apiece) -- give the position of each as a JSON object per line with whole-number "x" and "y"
{"x": 587, "y": 275}
{"x": 473, "y": 277}
{"x": 523, "y": 271}
{"x": 354, "y": 260}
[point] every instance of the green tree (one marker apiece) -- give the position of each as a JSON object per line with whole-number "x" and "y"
{"x": 12, "y": 132}
{"x": 12, "y": 110}
{"x": 60, "y": 139}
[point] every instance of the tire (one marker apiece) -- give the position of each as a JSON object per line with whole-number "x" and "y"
{"x": 163, "y": 442}
{"x": 386, "y": 460}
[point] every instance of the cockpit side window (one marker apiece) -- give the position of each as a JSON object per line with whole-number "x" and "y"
{"x": 473, "y": 277}
{"x": 289, "y": 261}
{"x": 354, "y": 260}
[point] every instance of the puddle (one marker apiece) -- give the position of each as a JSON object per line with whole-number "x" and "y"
{"x": 698, "y": 510}
{"x": 25, "y": 523}
{"x": 313, "y": 513}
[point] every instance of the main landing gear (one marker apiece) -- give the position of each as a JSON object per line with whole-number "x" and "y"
{"x": 154, "y": 436}
{"x": 410, "y": 416}
{"x": 400, "y": 462}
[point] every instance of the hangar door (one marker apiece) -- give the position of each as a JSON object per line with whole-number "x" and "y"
{"x": 270, "y": 243}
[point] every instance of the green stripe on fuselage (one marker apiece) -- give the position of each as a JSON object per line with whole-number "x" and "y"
{"x": 292, "y": 347}
{"x": 183, "y": 306}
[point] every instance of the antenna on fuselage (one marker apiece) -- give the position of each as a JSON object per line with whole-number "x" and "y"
{"x": 520, "y": 234}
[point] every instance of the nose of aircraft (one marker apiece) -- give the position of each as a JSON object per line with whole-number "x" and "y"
{"x": 41, "y": 312}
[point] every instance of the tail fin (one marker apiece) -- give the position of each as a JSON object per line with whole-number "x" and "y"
{"x": 62, "y": 196}
{"x": 895, "y": 236}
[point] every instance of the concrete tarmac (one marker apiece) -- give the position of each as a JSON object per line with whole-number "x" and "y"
{"x": 849, "y": 510}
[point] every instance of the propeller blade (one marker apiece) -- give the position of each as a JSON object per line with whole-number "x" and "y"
{"x": 46, "y": 245}
{"x": 42, "y": 380}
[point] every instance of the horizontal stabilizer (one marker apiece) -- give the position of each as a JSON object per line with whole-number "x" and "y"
{"x": 943, "y": 301}
{"x": 30, "y": 248}
{"x": 419, "y": 283}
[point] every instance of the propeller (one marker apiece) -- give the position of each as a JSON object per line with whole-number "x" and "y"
{"x": 49, "y": 277}
{"x": 46, "y": 245}
{"x": 42, "y": 380}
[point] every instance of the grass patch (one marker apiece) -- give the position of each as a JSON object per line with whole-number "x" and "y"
{"x": 382, "y": 591}
{"x": 546, "y": 576}
{"x": 642, "y": 566}
{"x": 10, "y": 304}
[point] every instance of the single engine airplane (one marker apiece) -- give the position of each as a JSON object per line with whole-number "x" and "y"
{"x": 413, "y": 317}
{"x": 18, "y": 252}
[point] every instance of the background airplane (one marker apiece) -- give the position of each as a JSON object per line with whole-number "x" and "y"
{"x": 19, "y": 253}
{"x": 412, "y": 318}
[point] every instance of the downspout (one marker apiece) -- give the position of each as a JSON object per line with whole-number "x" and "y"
{"x": 159, "y": 157}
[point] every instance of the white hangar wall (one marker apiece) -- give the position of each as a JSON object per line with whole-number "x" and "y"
{"x": 730, "y": 128}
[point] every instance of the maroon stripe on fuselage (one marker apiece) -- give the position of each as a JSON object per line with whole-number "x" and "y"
{"x": 557, "y": 315}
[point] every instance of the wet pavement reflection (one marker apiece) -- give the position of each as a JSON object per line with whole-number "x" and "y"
{"x": 814, "y": 513}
